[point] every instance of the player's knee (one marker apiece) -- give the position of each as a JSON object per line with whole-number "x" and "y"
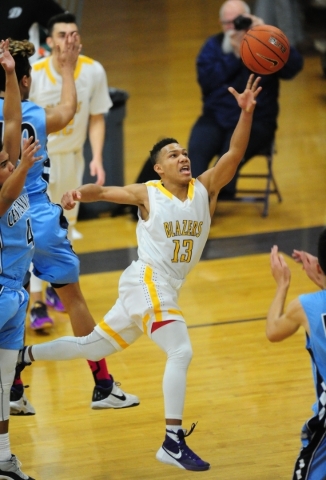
{"x": 8, "y": 360}
{"x": 187, "y": 353}
{"x": 7, "y": 373}
{"x": 182, "y": 355}
{"x": 6, "y": 387}
{"x": 94, "y": 347}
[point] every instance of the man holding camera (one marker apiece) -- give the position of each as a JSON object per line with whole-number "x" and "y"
{"x": 218, "y": 66}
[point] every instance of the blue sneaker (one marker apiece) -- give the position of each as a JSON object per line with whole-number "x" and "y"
{"x": 177, "y": 453}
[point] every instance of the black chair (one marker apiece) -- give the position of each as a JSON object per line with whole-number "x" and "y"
{"x": 260, "y": 194}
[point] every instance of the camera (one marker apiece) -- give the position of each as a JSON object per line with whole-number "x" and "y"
{"x": 242, "y": 23}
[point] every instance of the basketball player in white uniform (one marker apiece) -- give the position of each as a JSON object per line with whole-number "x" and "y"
{"x": 65, "y": 147}
{"x": 174, "y": 221}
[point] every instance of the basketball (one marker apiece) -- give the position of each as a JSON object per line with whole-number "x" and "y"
{"x": 265, "y": 49}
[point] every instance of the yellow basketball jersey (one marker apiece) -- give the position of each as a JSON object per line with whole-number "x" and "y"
{"x": 174, "y": 236}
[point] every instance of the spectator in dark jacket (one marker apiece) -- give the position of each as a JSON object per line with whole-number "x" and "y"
{"x": 218, "y": 66}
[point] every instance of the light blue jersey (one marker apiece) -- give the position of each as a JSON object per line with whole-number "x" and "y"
{"x": 54, "y": 260}
{"x": 16, "y": 253}
{"x": 34, "y": 125}
{"x": 311, "y": 462}
{"x": 16, "y": 243}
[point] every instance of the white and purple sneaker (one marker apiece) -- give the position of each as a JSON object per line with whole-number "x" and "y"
{"x": 40, "y": 319}
{"x": 177, "y": 453}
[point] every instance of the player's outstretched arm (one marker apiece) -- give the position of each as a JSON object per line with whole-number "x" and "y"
{"x": 282, "y": 323}
{"x": 13, "y": 185}
{"x": 12, "y": 112}
{"x": 135, "y": 194}
{"x": 222, "y": 173}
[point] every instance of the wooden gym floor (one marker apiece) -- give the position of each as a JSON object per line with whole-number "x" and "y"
{"x": 249, "y": 397}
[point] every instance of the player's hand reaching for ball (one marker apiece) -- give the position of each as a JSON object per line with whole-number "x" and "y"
{"x": 69, "y": 199}
{"x": 247, "y": 99}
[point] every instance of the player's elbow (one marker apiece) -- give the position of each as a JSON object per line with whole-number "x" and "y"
{"x": 273, "y": 335}
{"x": 66, "y": 115}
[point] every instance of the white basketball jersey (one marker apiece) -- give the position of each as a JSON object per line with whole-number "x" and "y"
{"x": 173, "y": 238}
{"x": 92, "y": 99}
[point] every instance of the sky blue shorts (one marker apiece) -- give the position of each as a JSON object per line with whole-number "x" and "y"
{"x": 54, "y": 259}
{"x": 310, "y": 464}
{"x": 13, "y": 306}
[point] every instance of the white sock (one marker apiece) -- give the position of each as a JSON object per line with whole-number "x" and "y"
{"x": 35, "y": 284}
{"x": 5, "y": 453}
{"x": 171, "y": 431}
{"x": 27, "y": 358}
{"x": 23, "y": 356}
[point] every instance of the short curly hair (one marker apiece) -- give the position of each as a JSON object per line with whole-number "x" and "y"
{"x": 21, "y": 50}
{"x": 158, "y": 147}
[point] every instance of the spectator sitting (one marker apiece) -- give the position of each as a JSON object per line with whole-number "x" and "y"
{"x": 218, "y": 66}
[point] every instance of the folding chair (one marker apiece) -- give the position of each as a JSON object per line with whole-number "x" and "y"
{"x": 261, "y": 195}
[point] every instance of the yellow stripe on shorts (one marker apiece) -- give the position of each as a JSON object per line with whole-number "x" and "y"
{"x": 173, "y": 311}
{"x": 120, "y": 341}
{"x": 148, "y": 278}
{"x": 145, "y": 322}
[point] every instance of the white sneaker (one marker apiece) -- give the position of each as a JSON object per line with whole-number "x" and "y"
{"x": 20, "y": 406}
{"x": 11, "y": 469}
{"x": 112, "y": 397}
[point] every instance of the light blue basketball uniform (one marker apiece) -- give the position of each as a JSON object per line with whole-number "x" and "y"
{"x": 54, "y": 259}
{"x": 16, "y": 253}
{"x": 311, "y": 463}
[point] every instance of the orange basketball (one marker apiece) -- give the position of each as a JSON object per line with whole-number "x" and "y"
{"x": 265, "y": 49}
